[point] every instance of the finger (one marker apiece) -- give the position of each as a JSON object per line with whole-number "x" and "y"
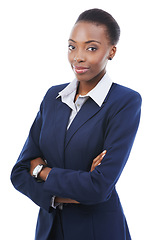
{"x": 98, "y": 162}
{"x": 104, "y": 152}
{"x": 100, "y": 156}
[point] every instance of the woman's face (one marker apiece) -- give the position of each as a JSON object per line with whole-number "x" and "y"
{"x": 89, "y": 51}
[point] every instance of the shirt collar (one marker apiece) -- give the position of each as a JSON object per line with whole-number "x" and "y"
{"x": 98, "y": 93}
{"x": 71, "y": 87}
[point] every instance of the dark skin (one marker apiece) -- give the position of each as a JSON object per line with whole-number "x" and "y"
{"x": 89, "y": 47}
{"x": 88, "y": 53}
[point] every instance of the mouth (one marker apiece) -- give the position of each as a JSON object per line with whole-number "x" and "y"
{"x": 80, "y": 70}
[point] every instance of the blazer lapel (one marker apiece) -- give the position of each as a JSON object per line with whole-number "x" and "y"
{"x": 61, "y": 121}
{"x": 63, "y": 111}
{"x": 88, "y": 110}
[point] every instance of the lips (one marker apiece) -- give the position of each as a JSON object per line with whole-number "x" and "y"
{"x": 80, "y": 69}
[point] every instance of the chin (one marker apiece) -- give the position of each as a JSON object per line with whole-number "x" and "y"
{"x": 89, "y": 77}
{"x": 84, "y": 77}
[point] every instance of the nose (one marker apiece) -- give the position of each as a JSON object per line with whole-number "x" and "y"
{"x": 79, "y": 57}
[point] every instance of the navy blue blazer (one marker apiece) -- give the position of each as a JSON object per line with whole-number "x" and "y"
{"x": 70, "y": 153}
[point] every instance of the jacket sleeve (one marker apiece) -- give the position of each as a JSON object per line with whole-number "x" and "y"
{"x": 20, "y": 176}
{"x": 96, "y": 186}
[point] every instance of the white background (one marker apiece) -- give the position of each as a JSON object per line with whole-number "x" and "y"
{"x": 33, "y": 57}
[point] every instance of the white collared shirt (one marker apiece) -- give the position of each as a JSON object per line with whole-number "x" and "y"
{"x": 98, "y": 94}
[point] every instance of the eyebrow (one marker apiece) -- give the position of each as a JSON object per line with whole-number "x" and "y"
{"x": 90, "y": 41}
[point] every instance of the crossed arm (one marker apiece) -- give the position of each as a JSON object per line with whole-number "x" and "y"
{"x": 45, "y": 172}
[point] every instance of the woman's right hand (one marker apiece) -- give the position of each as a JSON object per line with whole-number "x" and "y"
{"x": 97, "y": 160}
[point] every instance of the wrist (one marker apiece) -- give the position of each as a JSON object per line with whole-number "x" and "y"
{"x": 37, "y": 169}
{"x": 36, "y": 165}
{"x": 44, "y": 173}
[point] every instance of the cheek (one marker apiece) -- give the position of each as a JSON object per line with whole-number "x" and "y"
{"x": 69, "y": 57}
{"x": 99, "y": 61}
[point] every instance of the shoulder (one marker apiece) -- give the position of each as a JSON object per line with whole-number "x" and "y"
{"x": 50, "y": 97}
{"x": 53, "y": 91}
{"x": 123, "y": 94}
{"x": 122, "y": 98}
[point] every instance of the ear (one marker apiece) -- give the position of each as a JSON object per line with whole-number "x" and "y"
{"x": 112, "y": 52}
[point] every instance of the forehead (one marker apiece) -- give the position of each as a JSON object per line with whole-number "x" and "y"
{"x": 85, "y": 31}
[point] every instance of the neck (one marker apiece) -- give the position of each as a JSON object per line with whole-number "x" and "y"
{"x": 86, "y": 86}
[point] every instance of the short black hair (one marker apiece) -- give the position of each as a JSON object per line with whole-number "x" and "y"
{"x": 99, "y": 16}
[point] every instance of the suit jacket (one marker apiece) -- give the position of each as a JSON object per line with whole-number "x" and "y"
{"x": 70, "y": 153}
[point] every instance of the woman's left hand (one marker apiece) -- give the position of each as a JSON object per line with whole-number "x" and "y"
{"x": 97, "y": 161}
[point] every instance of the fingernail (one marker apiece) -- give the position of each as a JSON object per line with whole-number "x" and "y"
{"x": 99, "y": 164}
{"x": 104, "y": 152}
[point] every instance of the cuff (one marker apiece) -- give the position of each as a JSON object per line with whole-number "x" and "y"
{"x": 53, "y": 203}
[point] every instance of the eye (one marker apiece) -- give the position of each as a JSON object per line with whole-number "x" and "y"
{"x": 92, "y": 49}
{"x": 71, "y": 47}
